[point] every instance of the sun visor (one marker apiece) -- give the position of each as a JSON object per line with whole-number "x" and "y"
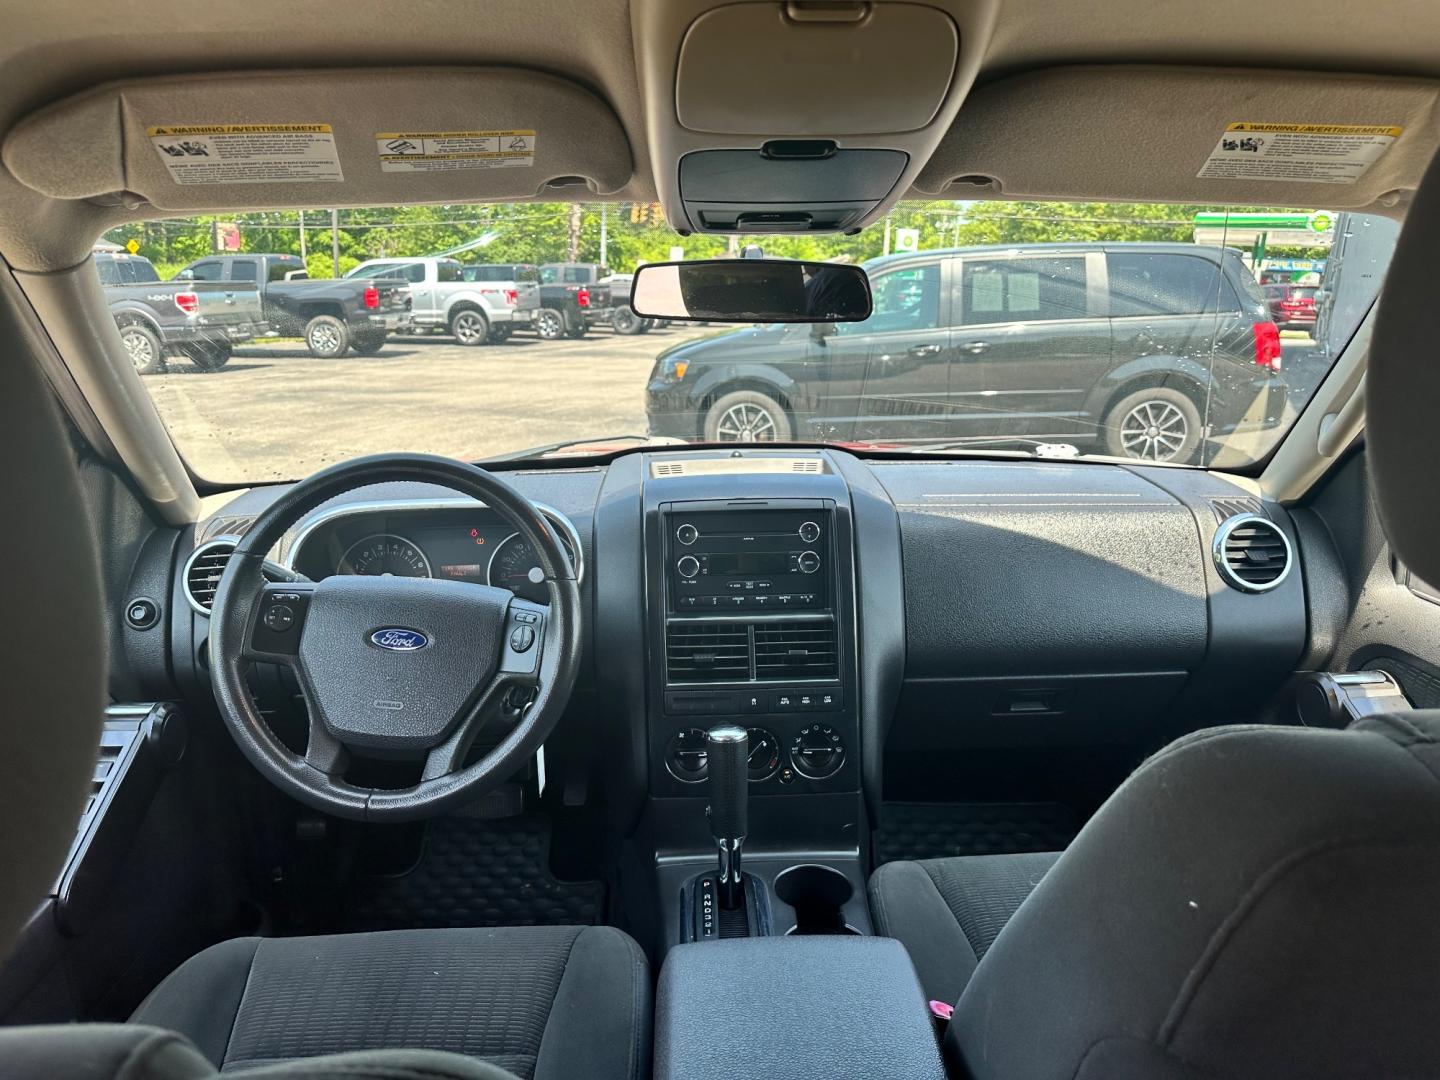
{"x": 1196, "y": 135}
{"x": 323, "y": 138}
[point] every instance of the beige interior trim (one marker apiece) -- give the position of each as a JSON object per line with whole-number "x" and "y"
{"x": 72, "y": 306}
{"x": 1331, "y": 422}
{"x": 1142, "y": 133}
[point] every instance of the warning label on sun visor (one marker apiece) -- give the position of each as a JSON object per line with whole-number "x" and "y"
{"x": 248, "y": 153}
{"x": 442, "y": 151}
{"x": 1311, "y": 153}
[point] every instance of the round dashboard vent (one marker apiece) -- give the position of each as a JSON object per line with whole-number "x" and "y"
{"x": 1252, "y": 553}
{"x": 203, "y": 570}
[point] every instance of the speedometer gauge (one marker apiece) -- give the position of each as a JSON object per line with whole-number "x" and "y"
{"x": 384, "y": 555}
{"x": 516, "y": 566}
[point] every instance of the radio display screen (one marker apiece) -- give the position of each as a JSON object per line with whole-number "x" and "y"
{"x": 746, "y": 563}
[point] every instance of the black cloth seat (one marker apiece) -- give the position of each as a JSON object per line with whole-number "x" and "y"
{"x": 947, "y": 912}
{"x": 539, "y": 1001}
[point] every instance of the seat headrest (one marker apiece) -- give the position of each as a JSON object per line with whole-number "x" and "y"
{"x": 1402, "y": 389}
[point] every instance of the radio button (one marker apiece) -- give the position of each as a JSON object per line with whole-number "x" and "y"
{"x": 808, "y": 562}
{"x": 687, "y": 566}
{"x": 809, "y": 532}
{"x": 687, "y": 534}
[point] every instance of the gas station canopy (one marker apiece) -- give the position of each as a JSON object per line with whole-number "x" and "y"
{"x": 1225, "y": 229}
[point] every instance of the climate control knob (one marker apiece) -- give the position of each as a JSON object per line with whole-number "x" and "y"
{"x": 808, "y": 562}
{"x": 809, "y": 532}
{"x": 817, "y": 752}
{"x": 687, "y": 566}
{"x": 687, "y": 755}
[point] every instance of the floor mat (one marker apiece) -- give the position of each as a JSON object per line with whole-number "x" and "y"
{"x": 477, "y": 873}
{"x": 939, "y": 830}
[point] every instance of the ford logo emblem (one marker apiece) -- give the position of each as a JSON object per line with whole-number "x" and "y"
{"x": 399, "y": 639}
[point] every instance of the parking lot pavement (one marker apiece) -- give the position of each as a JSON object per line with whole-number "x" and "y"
{"x": 275, "y": 412}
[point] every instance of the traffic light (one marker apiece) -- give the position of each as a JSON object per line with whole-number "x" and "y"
{"x": 639, "y": 212}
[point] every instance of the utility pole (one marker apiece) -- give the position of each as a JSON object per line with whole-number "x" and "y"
{"x": 887, "y": 235}
{"x": 604, "y": 233}
{"x": 302, "y": 235}
{"x": 574, "y": 247}
{"x": 335, "y": 243}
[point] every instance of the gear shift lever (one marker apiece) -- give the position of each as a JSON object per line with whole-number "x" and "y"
{"x": 728, "y": 748}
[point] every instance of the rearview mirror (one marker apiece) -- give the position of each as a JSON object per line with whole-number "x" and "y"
{"x": 751, "y": 290}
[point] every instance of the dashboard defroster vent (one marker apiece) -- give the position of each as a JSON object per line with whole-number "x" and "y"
{"x": 203, "y": 570}
{"x": 1251, "y": 553}
{"x": 796, "y": 650}
{"x": 707, "y": 652}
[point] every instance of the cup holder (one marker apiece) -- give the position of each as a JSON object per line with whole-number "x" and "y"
{"x": 818, "y": 894}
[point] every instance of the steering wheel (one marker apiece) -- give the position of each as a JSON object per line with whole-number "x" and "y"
{"x": 395, "y": 666}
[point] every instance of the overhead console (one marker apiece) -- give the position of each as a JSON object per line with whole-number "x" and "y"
{"x": 801, "y": 116}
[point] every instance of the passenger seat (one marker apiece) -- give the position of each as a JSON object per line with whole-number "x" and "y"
{"x": 948, "y": 912}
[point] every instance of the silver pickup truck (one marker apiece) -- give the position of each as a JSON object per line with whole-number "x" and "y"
{"x": 199, "y": 320}
{"x": 474, "y": 312}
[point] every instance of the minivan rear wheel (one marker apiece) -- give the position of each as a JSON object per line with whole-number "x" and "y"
{"x": 746, "y": 416}
{"x": 1154, "y": 424}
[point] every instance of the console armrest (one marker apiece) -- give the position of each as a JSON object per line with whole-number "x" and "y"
{"x": 792, "y": 1008}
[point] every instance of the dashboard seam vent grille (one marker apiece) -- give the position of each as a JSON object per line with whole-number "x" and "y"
{"x": 1252, "y": 553}
{"x": 707, "y": 652}
{"x": 796, "y": 650}
{"x": 203, "y": 570}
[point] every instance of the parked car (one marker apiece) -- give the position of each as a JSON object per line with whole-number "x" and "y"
{"x": 441, "y": 298}
{"x": 201, "y": 321}
{"x": 1292, "y": 307}
{"x": 577, "y": 297}
{"x": 623, "y": 319}
{"x": 524, "y": 278}
{"x": 1136, "y": 350}
{"x": 331, "y": 315}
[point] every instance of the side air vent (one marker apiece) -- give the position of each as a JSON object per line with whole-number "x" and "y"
{"x": 707, "y": 652}
{"x": 1251, "y": 553}
{"x": 1228, "y": 508}
{"x": 203, "y": 570}
{"x": 795, "y": 650}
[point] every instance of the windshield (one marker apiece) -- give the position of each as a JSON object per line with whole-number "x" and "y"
{"x": 1180, "y": 334}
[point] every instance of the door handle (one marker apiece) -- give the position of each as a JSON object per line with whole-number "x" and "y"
{"x": 924, "y": 350}
{"x": 975, "y": 348}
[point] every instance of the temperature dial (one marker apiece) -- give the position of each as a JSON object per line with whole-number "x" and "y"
{"x": 764, "y": 754}
{"x": 817, "y": 752}
{"x": 687, "y": 756}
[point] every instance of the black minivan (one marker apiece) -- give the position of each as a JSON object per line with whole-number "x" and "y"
{"x": 1141, "y": 350}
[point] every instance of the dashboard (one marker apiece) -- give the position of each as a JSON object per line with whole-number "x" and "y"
{"x": 847, "y": 611}
{"x": 457, "y": 540}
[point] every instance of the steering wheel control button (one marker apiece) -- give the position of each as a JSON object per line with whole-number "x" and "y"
{"x": 687, "y": 534}
{"x": 809, "y": 532}
{"x": 817, "y": 752}
{"x": 526, "y": 617}
{"x": 142, "y": 613}
{"x": 521, "y": 638}
{"x": 279, "y": 618}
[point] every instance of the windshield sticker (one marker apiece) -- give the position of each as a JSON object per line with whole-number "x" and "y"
{"x": 1314, "y": 153}
{"x": 248, "y": 153}
{"x": 443, "y": 151}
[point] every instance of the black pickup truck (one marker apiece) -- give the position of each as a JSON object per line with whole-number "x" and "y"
{"x": 573, "y": 298}
{"x": 332, "y": 315}
{"x": 199, "y": 320}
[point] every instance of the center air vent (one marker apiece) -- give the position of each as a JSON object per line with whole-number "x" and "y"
{"x": 203, "y": 570}
{"x": 1251, "y": 553}
{"x": 795, "y": 650}
{"x": 707, "y": 652}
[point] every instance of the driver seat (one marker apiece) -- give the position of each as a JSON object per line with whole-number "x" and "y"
{"x": 536, "y": 1001}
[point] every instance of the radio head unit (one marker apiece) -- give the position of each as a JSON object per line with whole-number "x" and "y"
{"x": 751, "y": 561}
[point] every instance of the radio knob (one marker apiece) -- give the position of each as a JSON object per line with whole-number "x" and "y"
{"x": 687, "y": 534}
{"x": 808, "y": 562}
{"x": 688, "y": 566}
{"x": 809, "y": 532}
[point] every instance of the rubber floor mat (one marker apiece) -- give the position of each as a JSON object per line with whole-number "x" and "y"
{"x": 477, "y": 873}
{"x": 940, "y": 830}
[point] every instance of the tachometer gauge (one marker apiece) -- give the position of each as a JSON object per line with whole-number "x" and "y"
{"x": 516, "y": 566}
{"x": 384, "y": 555}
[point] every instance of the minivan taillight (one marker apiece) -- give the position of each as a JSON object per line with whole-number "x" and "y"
{"x": 1267, "y": 345}
{"x": 582, "y": 297}
{"x": 372, "y": 297}
{"x": 512, "y": 296}
{"x": 188, "y": 302}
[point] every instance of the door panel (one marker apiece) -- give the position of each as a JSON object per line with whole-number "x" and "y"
{"x": 886, "y": 379}
{"x": 1029, "y": 343}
